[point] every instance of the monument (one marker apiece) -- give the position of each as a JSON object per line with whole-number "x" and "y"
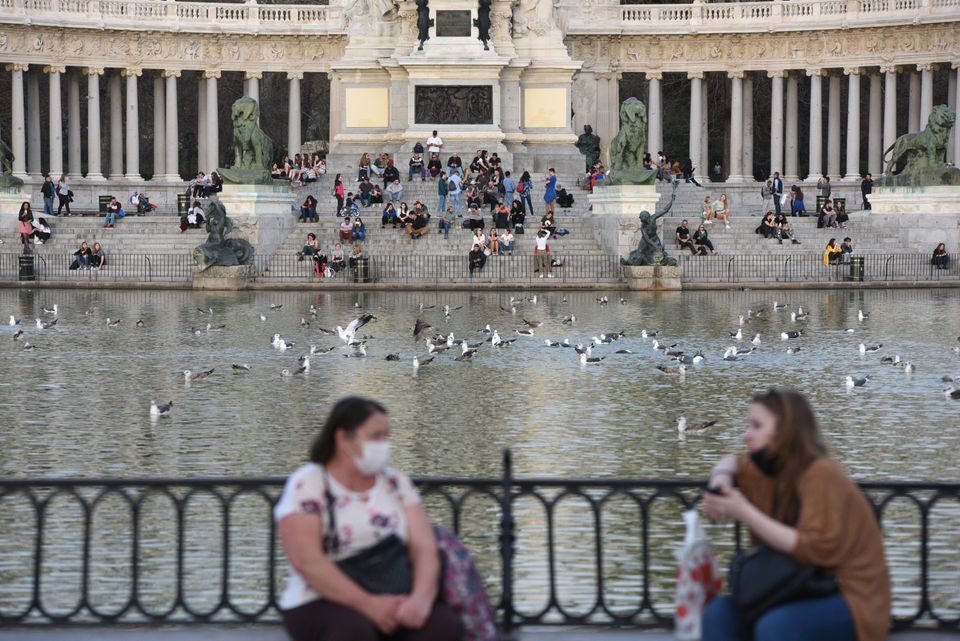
{"x": 588, "y": 144}
{"x": 12, "y": 193}
{"x": 650, "y": 251}
{"x": 218, "y": 250}
{"x": 252, "y": 148}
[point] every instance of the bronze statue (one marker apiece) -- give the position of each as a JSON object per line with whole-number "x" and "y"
{"x": 220, "y": 250}
{"x": 650, "y": 251}
{"x": 252, "y": 148}
{"x": 7, "y": 179}
{"x": 628, "y": 147}
{"x": 589, "y": 145}
{"x": 482, "y": 22}
{"x": 424, "y": 22}
{"x": 919, "y": 159}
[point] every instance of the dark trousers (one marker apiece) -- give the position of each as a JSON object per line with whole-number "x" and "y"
{"x": 706, "y": 243}
{"x": 64, "y": 202}
{"x": 687, "y": 244}
{"x": 339, "y": 204}
{"x": 322, "y": 620}
{"x": 776, "y": 203}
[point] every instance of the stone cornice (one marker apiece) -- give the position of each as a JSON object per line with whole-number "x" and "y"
{"x": 837, "y": 49}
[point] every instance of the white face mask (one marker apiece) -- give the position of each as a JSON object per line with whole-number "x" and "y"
{"x": 374, "y": 457}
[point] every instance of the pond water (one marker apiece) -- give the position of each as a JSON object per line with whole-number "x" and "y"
{"x": 77, "y": 405}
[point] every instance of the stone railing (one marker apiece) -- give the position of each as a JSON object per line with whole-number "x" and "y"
{"x": 160, "y": 15}
{"x": 576, "y": 16}
{"x": 738, "y": 17}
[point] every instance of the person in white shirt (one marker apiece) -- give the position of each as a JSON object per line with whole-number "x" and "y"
{"x": 542, "y": 253}
{"x": 506, "y": 242}
{"x": 434, "y": 143}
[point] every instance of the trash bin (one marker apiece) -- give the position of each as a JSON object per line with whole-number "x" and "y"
{"x": 183, "y": 204}
{"x": 26, "y": 267}
{"x": 856, "y": 268}
{"x": 102, "y": 203}
{"x": 361, "y": 270}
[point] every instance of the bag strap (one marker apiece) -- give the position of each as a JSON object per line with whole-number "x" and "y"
{"x": 331, "y": 539}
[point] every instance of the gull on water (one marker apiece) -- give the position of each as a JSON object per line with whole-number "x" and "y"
{"x": 683, "y": 427}
{"x": 53, "y": 311}
{"x": 909, "y": 368}
{"x": 314, "y": 350}
{"x": 793, "y": 350}
{"x": 681, "y": 369}
{"x": 263, "y": 318}
{"x": 359, "y": 351}
{"x": 304, "y": 361}
{"x": 756, "y": 339}
{"x": 215, "y": 328}
{"x": 624, "y": 351}
{"x": 208, "y": 310}
{"x": 590, "y": 360}
{"x": 18, "y": 335}
{"x": 891, "y": 360}
{"x": 13, "y": 321}
{"x": 392, "y": 357}
{"x": 870, "y": 350}
{"x": 788, "y": 335}
{"x": 28, "y": 346}
{"x": 530, "y": 323}
{"x": 569, "y": 320}
{"x": 777, "y": 305}
{"x": 189, "y": 376}
{"x": 303, "y": 322}
{"x": 139, "y": 322}
{"x": 524, "y": 332}
{"x": 348, "y": 335}
{"x": 730, "y": 354}
{"x": 241, "y": 367}
{"x": 160, "y": 410}
{"x": 649, "y": 334}
{"x": 952, "y": 392}
{"x": 42, "y": 325}
{"x": 275, "y": 306}
{"x": 417, "y": 363}
{"x": 861, "y": 316}
{"x": 857, "y": 382}
{"x": 737, "y": 334}
{"x": 114, "y": 323}
{"x": 419, "y": 326}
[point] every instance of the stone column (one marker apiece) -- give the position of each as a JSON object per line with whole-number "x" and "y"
{"x": 294, "y": 139}
{"x": 735, "y": 173}
{"x": 252, "y": 89}
{"x": 955, "y": 94}
{"x": 159, "y": 128}
{"x": 73, "y": 125}
{"x": 833, "y": 128}
{"x": 914, "y": 98}
{"x": 33, "y": 124}
{"x": 791, "y": 159}
{"x": 655, "y": 135}
{"x": 133, "y": 124}
{"x": 815, "y": 141}
{"x": 889, "y": 106}
{"x": 202, "y": 126}
{"x": 94, "y": 169}
{"x": 705, "y": 127}
{"x": 776, "y": 121}
{"x": 18, "y": 134}
{"x": 172, "y": 127}
{"x": 696, "y": 119}
{"x": 748, "y": 126}
{"x": 116, "y": 127}
{"x": 926, "y": 93}
{"x": 509, "y": 107}
{"x": 874, "y": 151}
{"x": 853, "y": 124}
{"x": 213, "y": 122}
{"x": 55, "y": 121}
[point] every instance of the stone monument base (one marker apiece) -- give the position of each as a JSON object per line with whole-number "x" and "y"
{"x": 654, "y": 278}
{"x": 227, "y": 278}
{"x": 263, "y": 214}
{"x": 915, "y": 200}
{"x": 616, "y": 211}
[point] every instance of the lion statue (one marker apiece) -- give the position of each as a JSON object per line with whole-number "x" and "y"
{"x": 628, "y": 147}
{"x": 251, "y": 147}
{"x": 914, "y": 154}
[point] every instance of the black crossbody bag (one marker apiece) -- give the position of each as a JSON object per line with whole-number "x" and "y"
{"x": 381, "y": 569}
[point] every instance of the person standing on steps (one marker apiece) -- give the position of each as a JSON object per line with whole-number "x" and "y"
{"x": 63, "y": 195}
{"x": 526, "y": 192}
{"x": 434, "y": 143}
{"x": 455, "y": 193}
{"x": 541, "y": 252}
{"x": 338, "y": 192}
{"x": 777, "y": 191}
{"x": 550, "y": 189}
{"x": 442, "y": 189}
{"x": 866, "y": 188}
{"x": 49, "y": 191}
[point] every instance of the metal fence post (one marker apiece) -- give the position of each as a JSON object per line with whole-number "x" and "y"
{"x": 507, "y": 537}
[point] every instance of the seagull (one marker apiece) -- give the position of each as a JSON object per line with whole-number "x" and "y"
{"x": 392, "y": 357}
{"x": 950, "y": 379}
{"x": 275, "y": 306}
{"x": 139, "y": 322}
{"x": 304, "y": 361}
{"x": 18, "y": 335}
{"x": 209, "y": 310}
{"x": 285, "y": 373}
{"x": 533, "y": 324}
{"x": 580, "y": 349}
{"x": 626, "y": 351}
{"x": 423, "y": 307}
{"x": 196, "y": 332}
{"x": 798, "y": 315}
{"x": 358, "y": 352}
{"x": 740, "y": 319}
{"x": 590, "y": 360}
{"x": 891, "y": 360}
{"x": 623, "y": 301}
{"x": 241, "y": 367}
{"x": 263, "y": 318}
{"x": 534, "y": 299}
{"x": 42, "y": 325}
{"x": 861, "y": 316}
{"x": 737, "y": 334}
{"x": 486, "y": 330}
{"x": 420, "y": 326}
{"x": 569, "y": 320}
{"x": 13, "y": 321}
{"x": 114, "y": 323}
{"x": 730, "y": 354}
{"x": 870, "y": 350}
{"x": 787, "y": 335}
{"x": 303, "y": 322}
{"x": 747, "y": 352}
{"x": 214, "y": 328}
{"x": 53, "y": 311}
{"x": 523, "y": 332}
{"x": 313, "y": 309}
{"x": 495, "y": 340}
{"x": 550, "y": 343}
{"x": 690, "y": 360}
{"x": 417, "y": 363}
{"x": 160, "y": 410}
{"x": 196, "y": 376}
{"x": 649, "y": 334}
{"x": 603, "y": 300}
{"x": 347, "y": 335}
{"x": 908, "y": 368}
{"x": 792, "y": 350}
{"x": 672, "y": 370}
{"x": 777, "y": 305}
{"x": 468, "y": 351}
{"x": 28, "y": 346}
{"x": 952, "y": 392}
{"x": 683, "y": 428}
{"x": 849, "y": 330}
{"x": 857, "y": 382}
{"x": 756, "y": 339}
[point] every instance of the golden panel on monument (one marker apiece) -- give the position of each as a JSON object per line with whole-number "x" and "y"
{"x": 453, "y": 24}
{"x": 453, "y": 105}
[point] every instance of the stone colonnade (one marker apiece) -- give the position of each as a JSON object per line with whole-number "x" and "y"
{"x": 784, "y": 143}
{"x": 123, "y": 92}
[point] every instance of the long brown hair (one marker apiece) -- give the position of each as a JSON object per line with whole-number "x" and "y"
{"x": 796, "y": 444}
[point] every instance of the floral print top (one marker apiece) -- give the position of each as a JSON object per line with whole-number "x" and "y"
{"x": 363, "y": 519}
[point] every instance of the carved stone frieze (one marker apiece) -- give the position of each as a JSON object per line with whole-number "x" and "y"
{"x": 87, "y": 48}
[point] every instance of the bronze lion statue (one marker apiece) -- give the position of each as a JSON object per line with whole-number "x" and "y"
{"x": 917, "y": 152}
{"x": 628, "y": 147}
{"x": 252, "y": 148}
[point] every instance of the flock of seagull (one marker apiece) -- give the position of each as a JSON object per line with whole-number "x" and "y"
{"x": 437, "y": 344}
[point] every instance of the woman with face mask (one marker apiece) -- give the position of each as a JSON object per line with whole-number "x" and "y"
{"x": 339, "y": 511}
{"x": 799, "y": 502}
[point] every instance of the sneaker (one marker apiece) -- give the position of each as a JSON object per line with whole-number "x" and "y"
{"x": 726, "y": 226}
{"x": 708, "y": 222}
{"x": 541, "y": 275}
{"x": 39, "y": 242}
{"x": 549, "y": 275}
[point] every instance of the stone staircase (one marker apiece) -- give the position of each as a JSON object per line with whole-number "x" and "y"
{"x": 130, "y": 235}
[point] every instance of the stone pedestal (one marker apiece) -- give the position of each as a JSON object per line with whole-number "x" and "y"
{"x": 915, "y": 200}
{"x": 228, "y": 278}
{"x": 616, "y": 211}
{"x": 263, "y": 215}
{"x": 656, "y": 278}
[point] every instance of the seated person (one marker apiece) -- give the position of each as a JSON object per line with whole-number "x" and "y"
{"x": 395, "y": 191}
{"x": 376, "y": 195}
{"x": 846, "y": 250}
{"x": 501, "y": 217}
{"x": 479, "y": 238}
{"x": 193, "y": 218}
{"x": 683, "y": 238}
{"x": 548, "y": 223}
{"x": 473, "y": 195}
{"x": 198, "y": 185}
{"x": 444, "y": 220}
{"x": 337, "y": 259}
{"x": 479, "y": 162}
{"x": 434, "y": 167}
{"x": 768, "y": 226}
{"x": 141, "y": 203}
{"x": 113, "y": 212}
{"x": 784, "y": 230}
{"x": 320, "y": 165}
{"x": 506, "y": 242}
{"x": 416, "y": 167}
{"x": 81, "y": 257}
{"x": 390, "y": 174}
{"x": 319, "y": 263}
{"x": 359, "y": 230}
{"x": 276, "y": 172}
{"x": 364, "y": 191}
{"x": 842, "y": 218}
{"x": 454, "y": 164}
{"x": 477, "y": 258}
{"x": 379, "y": 164}
{"x": 311, "y": 248}
{"x": 828, "y": 217}
{"x": 702, "y": 240}
{"x": 97, "y": 258}
{"x": 346, "y": 230}
{"x": 363, "y": 167}
{"x": 418, "y": 227}
{"x": 215, "y": 186}
{"x": 403, "y": 215}
{"x": 474, "y": 218}
{"x": 308, "y": 210}
{"x": 517, "y": 217}
{"x": 941, "y": 259}
{"x": 564, "y": 199}
{"x": 41, "y": 231}
{"x": 491, "y": 195}
{"x": 493, "y": 242}
{"x": 355, "y": 255}
{"x": 831, "y": 253}
{"x": 389, "y": 216}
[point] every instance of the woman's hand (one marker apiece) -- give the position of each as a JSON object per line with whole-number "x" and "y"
{"x": 731, "y": 505}
{"x": 383, "y": 611}
{"x": 414, "y": 612}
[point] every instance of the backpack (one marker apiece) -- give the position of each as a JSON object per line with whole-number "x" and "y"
{"x": 462, "y": 588}
{"x": 451, "y": 185}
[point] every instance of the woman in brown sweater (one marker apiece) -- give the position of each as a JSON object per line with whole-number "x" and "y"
{"x": 795, "y": 499}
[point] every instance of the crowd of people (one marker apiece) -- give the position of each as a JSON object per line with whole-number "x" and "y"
{"x": 301, "y": 170}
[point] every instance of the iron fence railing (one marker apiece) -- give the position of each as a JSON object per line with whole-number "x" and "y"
{"x": 134, "y": 268}
{"x": 809, "y": 268}
{"x": 414, "y": 269}
{"x": 555, "y": 552}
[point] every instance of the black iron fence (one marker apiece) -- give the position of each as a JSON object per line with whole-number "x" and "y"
{"x": 132, "y": 268}
{"x": 555, "y": 552}
{"x": 809, "y": 268}
{"x": 414, "y": 269}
